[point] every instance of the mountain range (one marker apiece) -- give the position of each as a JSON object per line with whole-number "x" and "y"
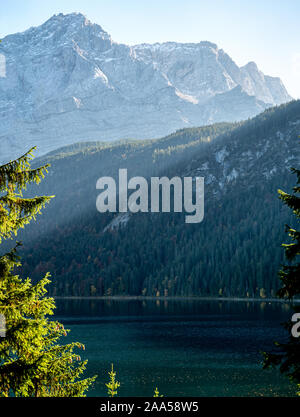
{"x": 67, "y": 81}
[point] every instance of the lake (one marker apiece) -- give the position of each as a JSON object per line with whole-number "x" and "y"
{"x": 184, "y": 347}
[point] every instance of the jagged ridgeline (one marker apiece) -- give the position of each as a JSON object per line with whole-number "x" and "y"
{"x": 67, "y": 81}
{"x": 235, "y": 251}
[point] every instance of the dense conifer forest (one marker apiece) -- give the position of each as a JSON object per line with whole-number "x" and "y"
{"x": 235, "y": 251}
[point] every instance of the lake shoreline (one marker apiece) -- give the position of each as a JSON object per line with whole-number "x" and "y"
{"x": 175, "y": 298}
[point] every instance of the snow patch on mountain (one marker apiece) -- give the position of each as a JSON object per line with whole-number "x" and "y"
{"x": 221, "y": 155}
{"x": 67, "y": 81}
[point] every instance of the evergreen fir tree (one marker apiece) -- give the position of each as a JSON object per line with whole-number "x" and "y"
{"x": 32, "y": 363}
{"x": 287, "y": 356}
{"x": 112, "y": 385}
{"x": 15, "y": 210}
{"x": 156, "y": 393}
{"x": 290, "y": 274}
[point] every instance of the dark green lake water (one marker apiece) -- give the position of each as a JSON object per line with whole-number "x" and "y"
{"x": 185, "y": 348}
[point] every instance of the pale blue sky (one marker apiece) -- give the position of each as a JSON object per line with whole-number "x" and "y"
{"x": 264, "y": 31}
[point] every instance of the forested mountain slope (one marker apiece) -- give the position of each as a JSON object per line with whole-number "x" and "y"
{"x": 235, "y": 251}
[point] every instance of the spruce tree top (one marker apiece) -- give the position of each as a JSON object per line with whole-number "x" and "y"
{"x": 15, "y": 210}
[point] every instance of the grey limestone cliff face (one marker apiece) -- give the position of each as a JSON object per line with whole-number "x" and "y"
{"x": 66, "y": 81}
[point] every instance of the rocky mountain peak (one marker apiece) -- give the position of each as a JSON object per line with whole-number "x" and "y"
{"x": 60, "y": 30}
{"x": 66, "y": 81}
{"x": 251, "y": 66}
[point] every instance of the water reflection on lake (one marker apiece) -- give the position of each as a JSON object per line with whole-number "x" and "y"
{"x": 185, "y": 347}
